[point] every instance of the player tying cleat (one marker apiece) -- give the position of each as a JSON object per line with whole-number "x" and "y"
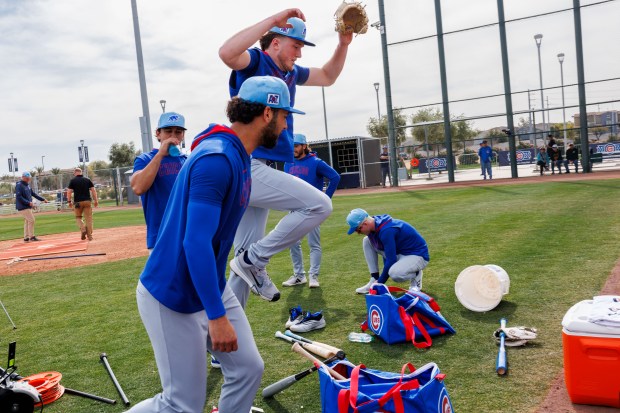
{"x": 404, "y": 251}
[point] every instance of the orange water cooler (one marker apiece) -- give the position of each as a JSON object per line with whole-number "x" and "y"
{"x": 592, "y": 354}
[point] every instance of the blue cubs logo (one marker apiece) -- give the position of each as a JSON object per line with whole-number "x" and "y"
{"x": 436, "y": 163}
{"x": 375, "y": 319}
{"x": 444, "y": 406}
{"x": 273, "y": 99}
{"x": 284, "y": 30}
{"x": 303, "y": 33}
{"x": 173, "y": 118}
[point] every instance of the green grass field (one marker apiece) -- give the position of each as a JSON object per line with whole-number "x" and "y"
{"x": 557, "y": 241}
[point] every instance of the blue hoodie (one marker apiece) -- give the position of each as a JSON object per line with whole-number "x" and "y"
{"x": 395, "y": 237}
{"x": 23, "y": 196}
{"x": 314, "y": 170}
{"x": 187, "y": 270}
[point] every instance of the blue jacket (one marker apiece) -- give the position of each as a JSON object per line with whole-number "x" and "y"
{"x": 187, "y": 270}
{"x": 542, "y": 157}
{"x": 485, "y": 153}
{"x": 23, "y": 195}
{"x": 261, "y": 64}
{"x": 395, "y": 237}
{"x": 314, "y": 170}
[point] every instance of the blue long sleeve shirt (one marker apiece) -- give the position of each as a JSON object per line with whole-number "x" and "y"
{"x": 314, "y": 170}
{"x": 23, "y": 196}
{"x": 395, "y": 237}
{"x": 485, "y": 153}
{"x": 187, "y": 270}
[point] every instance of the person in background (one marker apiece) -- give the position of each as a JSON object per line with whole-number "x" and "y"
{"x": 84, "y": 197}
{"x": 486, "y": 156}
{"x": 542, "y": 160}
{"x": 384, "y": 159}
{"x": 24, "y": 205}
{"x": 312, "y": 169}
{"x": 572, "y": 156}
{"x": 556, "y": 159}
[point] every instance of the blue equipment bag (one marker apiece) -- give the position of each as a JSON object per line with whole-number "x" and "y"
{"x": 414, "y": 316}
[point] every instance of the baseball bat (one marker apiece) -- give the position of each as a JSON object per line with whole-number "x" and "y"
{"x": 333, "y": 349}
{"x": 297, "y": 348}
{"x": 104, "y": 358}
{"x": 501, "y": 365}
{"x": 319, "y": 351}
{"x": 89, "y": 396}
{"x": 287, "y": 382}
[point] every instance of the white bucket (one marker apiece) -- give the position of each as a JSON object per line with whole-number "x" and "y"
{"x": 481, "y": 287}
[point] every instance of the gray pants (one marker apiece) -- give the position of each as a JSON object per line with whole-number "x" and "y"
{"x": 179, "y": 342}
{"x": 273, "y": 189}
{"x": 314, "y": 242}
{"x": 405, "y": 268}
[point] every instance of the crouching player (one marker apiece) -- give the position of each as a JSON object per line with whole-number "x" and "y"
{"x": 183, "y": 298}
{"x": 404, "y": 251}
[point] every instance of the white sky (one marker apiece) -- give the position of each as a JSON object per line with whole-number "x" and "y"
{"x": 68, "y": 68}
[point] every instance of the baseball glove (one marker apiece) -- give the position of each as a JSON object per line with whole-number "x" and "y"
{"x": 516, "y": 336}
{"x": 351, "y": 18}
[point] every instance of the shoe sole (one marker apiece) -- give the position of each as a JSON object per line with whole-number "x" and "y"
{"x": 250, "y": 281}
{"x": 313, "y": 285}
{"x": 304, "y": 328}
{"x": 290, "y": 323}
{"x": 284, "y": 284}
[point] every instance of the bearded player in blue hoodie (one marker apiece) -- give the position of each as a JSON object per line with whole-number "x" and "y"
{"x": 404, "y": 251}
{"x": 315, "y": 171}
{"x": 183, "y": 298}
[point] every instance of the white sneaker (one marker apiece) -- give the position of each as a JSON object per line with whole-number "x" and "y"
{"x": 416, "y": 282}
{"x": 314, "y": 281}
{"x": 311, "y": 321}
{"x": 296, "y": 315}
{"x": 257, "y": 278}
{"x": 296, "y": 279}
{"x": 366, "y": 288}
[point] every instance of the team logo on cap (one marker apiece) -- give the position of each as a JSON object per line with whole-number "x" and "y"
{"x": 173, "y": 118}
{"x": 284, "y": 29}
{"x": 273, "y": 99}
{"x": 303, "y": 33}
{"x": 376, "y": 318}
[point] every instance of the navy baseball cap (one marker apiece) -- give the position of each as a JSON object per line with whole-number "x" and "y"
{"x": 170, "y": 119}
{"x": 297, "y": 32}
{"x": 355, "y": 218}
{"x": 269, "y": 91}
{"x": 299, "y": 139}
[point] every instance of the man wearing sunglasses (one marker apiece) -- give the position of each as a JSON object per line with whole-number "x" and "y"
{"x": 404, "y": 251}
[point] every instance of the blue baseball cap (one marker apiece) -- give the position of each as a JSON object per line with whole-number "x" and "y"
{"x": 269, "y": 91}
{"x": 297, "y": 32}
{"x": 355, "y": 218}
{"x": 26, "y": 174}
{"x": 299, "y": 139}
{"x": 170, "y": 119}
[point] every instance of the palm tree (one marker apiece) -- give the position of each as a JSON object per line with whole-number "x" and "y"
{"x": 56, "y": 172}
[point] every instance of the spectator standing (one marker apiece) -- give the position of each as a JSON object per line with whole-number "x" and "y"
{"x": 84, "y": 195}
{"x": 384, "y": 159}
{"x": 486, "y": 156}
{"x": 572, "y": 156}
{"x": 24, "y": 205}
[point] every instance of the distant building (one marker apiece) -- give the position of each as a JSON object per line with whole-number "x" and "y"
{"x": 608, "y": 118}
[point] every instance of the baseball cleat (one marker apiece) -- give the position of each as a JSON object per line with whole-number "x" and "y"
{"x": 296, "y": 315}
{"x": 366, "y": 288}
{"x": 311, "y": 321}
{"x": 257, "y": 278}
{"x": 34, "y": 239}
{"x": 416, "y": 282}
{"x": 314, "y": 281}
{"x": 215, "y": 363}
{"x": 295, "y": 279}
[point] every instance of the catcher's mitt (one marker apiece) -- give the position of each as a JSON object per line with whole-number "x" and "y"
{"x": 516, "y": 336}
{"x": 351, "y": 18}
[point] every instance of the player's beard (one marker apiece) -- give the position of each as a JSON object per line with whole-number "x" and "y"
{"x": 269, "y": 135}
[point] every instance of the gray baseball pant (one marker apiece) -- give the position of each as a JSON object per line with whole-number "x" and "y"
{"x": 314, "y": 242}
{"x": 179, "y": 341}
{"x": 406, "y": 268}
{"x": 273, "y": 189}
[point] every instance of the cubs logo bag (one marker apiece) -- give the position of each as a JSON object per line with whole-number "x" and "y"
{"x": 369, "y": 391}
{"x": 413, "y": 316}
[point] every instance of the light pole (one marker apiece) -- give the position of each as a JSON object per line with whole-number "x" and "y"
{"x": 538, "y": 39}
{"x": 376, "y": 85}
{"x": 43, "y": 162}
{"x": 163, "y": 105}
{"x": 561, "y": 60}
{"x": 83, "y": 156}
{"x": 13, "y": 165}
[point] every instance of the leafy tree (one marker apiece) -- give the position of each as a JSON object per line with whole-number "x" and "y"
{"x": 122, "y": 154}
{"x": 497, "y": 135}
{"x": 378, "y": 128}
{"x": 101, "y": 169}
{"x": 598, "y": 131}
{"x": 460, "y": 130}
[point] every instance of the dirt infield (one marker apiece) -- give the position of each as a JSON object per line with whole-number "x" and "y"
{"x": 118, "y": 244}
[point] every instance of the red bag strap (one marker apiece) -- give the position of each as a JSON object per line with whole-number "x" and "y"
{"x": 413, "y": 320}
{"x": 343, "y": 400}
{"x": 430, "y": 323}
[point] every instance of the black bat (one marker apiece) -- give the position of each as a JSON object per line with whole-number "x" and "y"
{"x": 104, "y": 360}
{"x": 287, "y": 382}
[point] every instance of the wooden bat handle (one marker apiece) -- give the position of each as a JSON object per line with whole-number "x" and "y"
{"x": 300, "y": 350}
{"x": 331, "y": 349}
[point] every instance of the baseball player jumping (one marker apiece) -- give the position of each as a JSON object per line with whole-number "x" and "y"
{"x": 183, "y": 298}
{"x": 404, "y": 251}
{"x": 282, "y": 37}
{"x": 312, "y": 169}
